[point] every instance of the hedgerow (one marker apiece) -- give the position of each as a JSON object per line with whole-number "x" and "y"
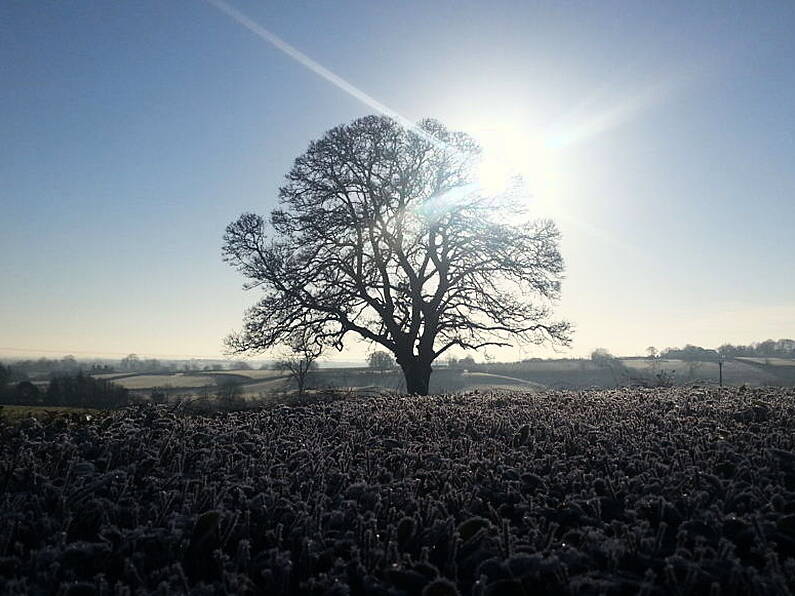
{"x": 651, "y": 491}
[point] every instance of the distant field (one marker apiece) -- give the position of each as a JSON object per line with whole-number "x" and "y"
{"x": 770, "y": 361}
{"x": 253, "y": 382}
{"x": 190, "y": 380}
{"x": 536, "y": 374}
{"x": 735, "y": 372}
{"x": 326, "y": 378}
{"x": 554, "y": 366}
{"x": 114, "y": 375}
{"x": 583, "y": 374}
{"x": 179, "y": 380}
{"x": 265, "y": 386}
{"x": 500, "y": 381}
{"x": 248, "y": 374}
{"x": 638, "y": 364}
{"x": 15, "y": 413}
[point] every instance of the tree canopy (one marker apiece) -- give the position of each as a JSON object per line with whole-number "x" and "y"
{"x": 382, "y": 233}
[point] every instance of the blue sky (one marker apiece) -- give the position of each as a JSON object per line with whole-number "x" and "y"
{"x": 661, "y": 138}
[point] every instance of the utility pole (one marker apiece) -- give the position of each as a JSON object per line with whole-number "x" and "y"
{"x": 720, "y": 371}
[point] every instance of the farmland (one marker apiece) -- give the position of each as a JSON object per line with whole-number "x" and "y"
{"x": 533, "y": 374}
{"x": 17, "y": 413}
{"x": 253, "y": 382}
{"x": 258, "y": 383}
{"x": 526, "y": 375}
{"x": 675, "y": 491}
{"x": 182, "y": 381}
{"x": 769, "y": 361}
{"x": 584, "y": 374}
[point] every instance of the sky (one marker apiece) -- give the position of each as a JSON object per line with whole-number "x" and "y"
{"x": 659, "y": 136}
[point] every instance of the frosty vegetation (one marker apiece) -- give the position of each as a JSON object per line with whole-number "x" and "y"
{"x": 675, "y": 491}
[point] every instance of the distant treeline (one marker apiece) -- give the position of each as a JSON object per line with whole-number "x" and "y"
{"x": 690, "y": 352}
{"x": 23, "y": 370}
{"x": 74, "y": 390}
{"x": 782, "y": 348}
{"x": 771, "y": 348}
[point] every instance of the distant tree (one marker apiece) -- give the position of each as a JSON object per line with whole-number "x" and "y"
{"x": 691, "y": 353}
{"x": 300, "y": 358}
{"x": 26, "y": 393}
{"x": 230, "y": 392}
{"x": 782, "y": 348}
{"x": 130, "y": 363}
{"x": 766, "y": 348}
{"x": 604, "y": 359}
{"x": 69, "y": 364}
{"x": 5, "y": 376}
{"x": 653, "y": 357}
{"x": 786, "y": 348}
{"x": 85, "y": 391}
{"x": 151, "y": 365}
{"x": 601, "y": 357}
{"x": 382, "y": 233}
{"x": 381, "y": 361}
{"x": 239, "y": 365}
{"x": 466, "y": 362}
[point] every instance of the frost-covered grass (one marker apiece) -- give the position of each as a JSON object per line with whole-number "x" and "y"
{"x": 683, "y": 491}
{"x": 18, "y": 413}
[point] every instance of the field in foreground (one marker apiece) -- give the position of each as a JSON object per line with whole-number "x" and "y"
{"x": 17, "y": 413}
{"x": 677, "y": 491}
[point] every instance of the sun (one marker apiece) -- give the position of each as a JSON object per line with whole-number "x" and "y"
{"x": 511, "y": 152}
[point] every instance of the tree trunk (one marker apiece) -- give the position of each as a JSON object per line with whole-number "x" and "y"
{"x": 299, "y": 380}
{"x": 418, "y": 375}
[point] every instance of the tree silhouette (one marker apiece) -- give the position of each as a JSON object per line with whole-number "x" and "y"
{"x": 300, "y": 359}
{"x": 382, "y": 233}
{"x": 5, "y": 376}
{"x": 131, "y": 362}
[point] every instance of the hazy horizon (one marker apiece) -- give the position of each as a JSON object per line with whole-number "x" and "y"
{"x": 660, "y": 138}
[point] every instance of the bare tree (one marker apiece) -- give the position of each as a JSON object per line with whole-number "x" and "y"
{"x": 131, "y": 362}
{"x": 300, "y": 358}
{"x": 381, "y": 233}
{"x": 602, "y": 358}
